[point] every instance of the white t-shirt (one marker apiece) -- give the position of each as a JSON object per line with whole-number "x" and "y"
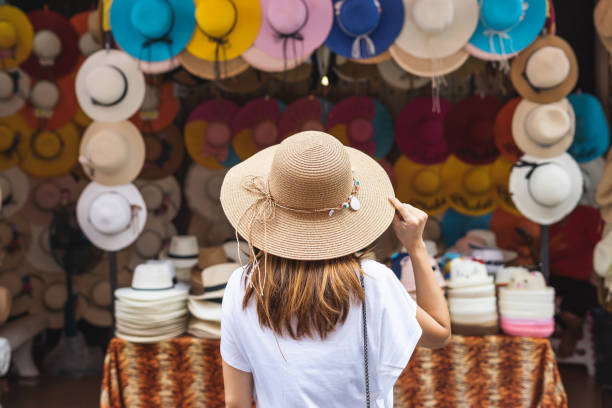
{"x": 330, "y": 372}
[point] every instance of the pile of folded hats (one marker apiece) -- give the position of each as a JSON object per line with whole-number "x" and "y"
{"x": 153, "y": 309}
{"x": 527, "y": 305}
{"x": 471, "y": 299}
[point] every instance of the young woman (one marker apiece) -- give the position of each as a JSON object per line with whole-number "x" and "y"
{"x": 307, "y": 322}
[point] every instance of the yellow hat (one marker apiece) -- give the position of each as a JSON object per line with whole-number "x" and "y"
{"x": 14, "y": 134}
{"x": 224, "y": 28}
{"x": 421, "y": 185}
{"x": 51, "y": 153}
{"x": 500, "y": 176}
{"x": 16, "y": 37}
{"x": 469, "y": 187}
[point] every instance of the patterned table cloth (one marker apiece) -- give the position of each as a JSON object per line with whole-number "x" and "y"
{"x": 492, "y": 371}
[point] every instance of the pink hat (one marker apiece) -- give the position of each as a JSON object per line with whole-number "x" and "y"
{"x": 419, "y": 132}
{"x": 363, "y": 123}
{"x": 47, "y": 195}
{"x": 264, "y": 62}
{"x": 308, "y": 113}
{"x": 528, "y": 327}
{"x": 256, "y": 126}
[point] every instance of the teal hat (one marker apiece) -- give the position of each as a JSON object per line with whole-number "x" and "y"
{"x": 508, "y": 26}
{"x": 592, "y": 137}
{"x": 455, "y": 225}
{"x": 152, "y": 30}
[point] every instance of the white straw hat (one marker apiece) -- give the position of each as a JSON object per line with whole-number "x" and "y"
{"x": 204, "y": 329}
{"x": 183, "y": 251}
{"x": 152, "y": 282}
{"x": 214, "y": 280}
{"x": 111, "y": 217}
{"x": 205, "y": 310}
{"x": 39, "y": 253}
{"x": 14, "y": 91}
{"x": 546, "y": 190}
{"x": 14, "y": 190}
{"x": 109, "y": 86}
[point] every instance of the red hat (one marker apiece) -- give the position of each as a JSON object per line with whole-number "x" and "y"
{"x": 255, "y": 126}
{"x": 503, "y": 132}
{"x": 307, "y": 113}
{"x": 158, "y": 109}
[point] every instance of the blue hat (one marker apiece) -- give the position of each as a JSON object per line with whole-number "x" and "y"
{"x": 152, "y": 30}
{"x": 365, "y": 28}
{"x": 592, "y": 137}
{"x": 455, "y": 225}
{"x": 508, "y": 26}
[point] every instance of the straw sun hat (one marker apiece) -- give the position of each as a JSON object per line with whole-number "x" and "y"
{"x": 308, "y": 198}
{"x": 16, "y": 36}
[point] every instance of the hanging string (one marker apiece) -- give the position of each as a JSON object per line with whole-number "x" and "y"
{"x": 370, "y": 48}
{"x": 165, "y": 38}
{"x": 437, "y": 80}
{"x": 295, "y": 36}
{"x": 221, "y": 42}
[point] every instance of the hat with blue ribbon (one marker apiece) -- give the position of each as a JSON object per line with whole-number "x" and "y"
{"x": 152, "y": 30}
{"x": 456, "y": 225}
{"x": 365, "y": 28}
{"x": 592, "y": 137}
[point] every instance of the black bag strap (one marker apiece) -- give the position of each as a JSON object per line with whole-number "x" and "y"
{"x": 365, "y": 344}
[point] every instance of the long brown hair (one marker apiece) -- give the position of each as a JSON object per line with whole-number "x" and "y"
{"x": 303, "y": 298}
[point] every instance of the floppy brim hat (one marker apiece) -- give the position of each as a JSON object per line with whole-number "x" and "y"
{"x": 133, "y": 153}
{"x": 604, "y": 193}
{"x": 377, "y": 59}
{"x": 500, "y": 176}
{"x": 255, "y": 126}
{"x": 63, "y": 63}
{"x": 558, "y": 207}
{"x": 19, "y": 91}
{"x": 381, "y": 27}
{"x": 525, "y": 142}
{"x": 162, "y": 197}
{"x": 503, "y": 131}
{"x": 202, "y": 190}
{"x": 455, "y": 225}
{"x": 426, "y": 67}
{"x": 214, "y": 280}
{"x": 602, "y": 16}
{"x": 14, "y": 189}
{"x": 51, "y": 153}
{"x": 393, "y": 75}
{"x": 420, "y": 185}
{"x": 58, "y": 116}
{"x": 14, "y": 241}
{"x": 469, "y": 188}
{"x": 258, "y": 59}
{"x": 14, "y": 136}
{"x": 592, "y": 131}
{"x": 308, "y": 113}
{"x": 519, "y": 72}
{"x": 419, "y": 132}
{"x": 592, "y": 174}
{"x": 39, "y": 253}
{"x": 152, "y": 31}
{"x": 211, "y": 232}
{"x": 121, "y": 239}
{"x": 160, "y": 67}
{"x": 130, "y": 89}
{"x": 316, "y": 235}
{"x": 164, "y": 153}
{"x": 169, "y": 305}
{"x": 20, "y": 36}
{"x": 362, "y": 123}
{"x": 602, "y": 256}
{"x": 162, "y": 115}
{"x": 488, "y": 56}
{"x": 449, "y": 32}
{"x": 206, "y": 69}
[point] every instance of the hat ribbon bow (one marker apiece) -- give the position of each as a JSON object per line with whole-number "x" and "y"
{"x": 165, "y": 38}
{"x": 365, "y": 37}
{"x": 295, "y": 35}
{"x": 12, "y": 149}
{"x": 221, "y": 153}
{"x": 221, "y": 42}
{"x": 501, "y": 36}
{"x": 533, "y": 166}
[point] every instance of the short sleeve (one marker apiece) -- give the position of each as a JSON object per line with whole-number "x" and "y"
{"x": 231, "y": 350}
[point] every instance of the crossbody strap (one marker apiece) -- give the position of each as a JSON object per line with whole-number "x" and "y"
{"x": 365, "y": 344}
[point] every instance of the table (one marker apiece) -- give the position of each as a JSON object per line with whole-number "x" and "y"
{"x": 492, "y": 371}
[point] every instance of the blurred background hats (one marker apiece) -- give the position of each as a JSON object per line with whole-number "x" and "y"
{"x": 16, "y": 36}
{"x": 592, "y": 174}
{"x": 421, "y": 185}
{"x": 255, "y": 126}
{"x": 51, "y": 153}
{"x": 500, "y": 176}
{"x": 206, "y": 69}
{"x": 183, "y": 251}
{"x": 159, "y": 108}
{"x": 469, "y": 188}
{"x": 162, "y": 197}
{"x": 51, "y": 104}
{"x": 39, "y": 252}
{"x": 87, "y": 26}
{"x": 396, "y": 77}
{"x": 202, "y": 189}
{"x": 307, "y": 113}
{"x": 14, "y": 190}
{"x": 14, "y": 133}
{"x": 47, "y": 195}
{"x": 14, "y": 89}
{"x": 592, "y": 131}
{"x": 15, "y": 238}
{"x": 503, "y": 131}
{"x": 164, "y": 153}
{"x": 455, "y": 225}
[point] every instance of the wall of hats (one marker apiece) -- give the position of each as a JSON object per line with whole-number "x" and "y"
{"x": 135, "y": 110}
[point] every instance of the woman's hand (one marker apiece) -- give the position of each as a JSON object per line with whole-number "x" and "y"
{"x": 408, "y": 224}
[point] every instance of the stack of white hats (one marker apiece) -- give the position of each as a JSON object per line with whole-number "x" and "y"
{"x": 205, "y": 308}
{"x": 471, "y": 299}
{"x": 153, "y": 309}
{"x": 527, "y": 305}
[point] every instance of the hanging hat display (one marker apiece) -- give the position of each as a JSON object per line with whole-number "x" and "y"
{"x": 255, "y": 126}
{"x": 46, "y": 196}
{"x": 470, "y": 132}
{"x": 456, "y": 225}
{"x": 500, "y": 176}
{"x": 602, "y": 16}
{"x": 87, "y": 26}
{"x": 246, "y": 82}
{"x": 14, "y": 137}
{"x": 419, "y": 132}
{"x": 159, "y": 108}
{"x": 153, "y": 240}
{"x": 202, "y": 189}
{"x": 152, "y": 30}
{"x": 365, "y": 28}
{"x": 15, "y": 238}
{"x": 55, "y": 48}
{"x": 262, "y": 61}
{"x": 508, "y": 26}
{"x": 109, "y": 86}
{"x": 396, "y": 77}
{"x": 112, "y": 154}
{"x": 51, "y": 153}
{"x": 209, "y": 135}
{"x": 302, "y": 73}
{"x": 363, "y": 123}
{"x": 52, "y": 104}
{"x": 503, "y": 131}
{"x": 377, "y": 59}
{"x": 308, "y": 113}
{"x": 350, "y": 71}
{"x": 16, "y": 37}
{"x": 112, "y": 218}
{"x": 14, "y": 186}
{"x": 164, "y": 153}
{"x": 14, "y": 89}
{"x": 546, "y": 190}
{"x": 546, "y": 71}
{"x": 592, "y": 137}
{"x": 206, "y": 69}
{"x": 426, "y": 67}
{"x": 420, "y": 185}
{"x": 39, "y": 252}
{"x": 162, "y": 197}
{"x": 517, "y": 233}
{"x": 592, "y": 174}
{"x": 211, "y": 232}
{"x": 543, "y": 130}
{"x": 604, "y": 193}
{"x": 469, "y": 187}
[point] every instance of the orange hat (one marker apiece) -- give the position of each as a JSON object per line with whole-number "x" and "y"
{"x": 159, "y": 108}
{"x": 503, "y": 131}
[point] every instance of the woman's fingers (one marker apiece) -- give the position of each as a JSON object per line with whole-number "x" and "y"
{"x": 400, "y": 208}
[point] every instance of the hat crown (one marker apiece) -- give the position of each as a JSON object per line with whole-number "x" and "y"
{"x": 549, "y": 185}
{"x": 105, "y": 84}
{"x": 8, "y": 35}
{"x": 426, "y": 181}
{"x": 110, "y": 213}
{"x": 359, "y": 16}
{"x": 107, "y": 151}
{"x": 219, "y": 23}
{"x": 265, "y": 133}
{"x": 47, "y": 144}
{"x": 153, "y": 195}
{"x": 88, "y": 44}
{"x": 218, "y": 134}
{"x": 149, "y": 244}
{"x": 47, "y": 46}
{"x": 311, "y": 170}
{"x": 547, "y": 67}
{"x": 6, "y": 85}
{"x": 152, "y": 18}
{"x": 433, "y": 16}
{"x": 548, "y": 124}
{"x": 152, "y": 276}
{"x": 501, "y": 15}
{"x": 360, "y": 130}
{"x": 465, "y": 270}
{"x": 184, "y": 245}
{"x": 431, "y": 131}
{"x": 286, "y": 16}
{"x": 55, "y": 296}
{"x": 45, "y": 95}
{"x": 477, "y": 181}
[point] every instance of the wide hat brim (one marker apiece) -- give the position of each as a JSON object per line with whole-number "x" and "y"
{"x": 527, "y": 144}
{"x": 392, "y": 74}
{"x": 427, "y": 67}
{"x": 160, "y": 67}
{"x": 165, "y": 113}
{"x": 524, "y": 202}
{"x": 405, "y": 170}
{"x": 66, "y": 184}
{"x": 171, "y": 189}
{"x": 602, "y": 23}
{"x": 172, "y": 153}
{"x": 196, "y": 192}
{"x": 526, "y": 90}
{"x": 135, "y": 82}
{"x": 500, "y": 176}
{"x": 453, "y": 174}
{"x": 58, "y": 166}
{"x": 313, "y": 236}
{"x": 14, "y": 258}
{"x": 18, "y": 127}
{"x": 205, "y": 310}
{"x": 178, "y": 292}
{"x": 246, "y": 82}
{"x": 258, "y": 59}
{"x": 61, "y": 114}
{"x": 123, "y": 239}
{"x": 206, "y": 69}
{"x": 151, "y": 339}
{"x": 488, "y": 56}
{"x": 19, "y": 191}
{"x": 17, "y": 100}
{"x": 25, "y": 35}
{"x": 503, "y": 131}
{"x": 198, "y": 327}
{"x": 132, "y": 41}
